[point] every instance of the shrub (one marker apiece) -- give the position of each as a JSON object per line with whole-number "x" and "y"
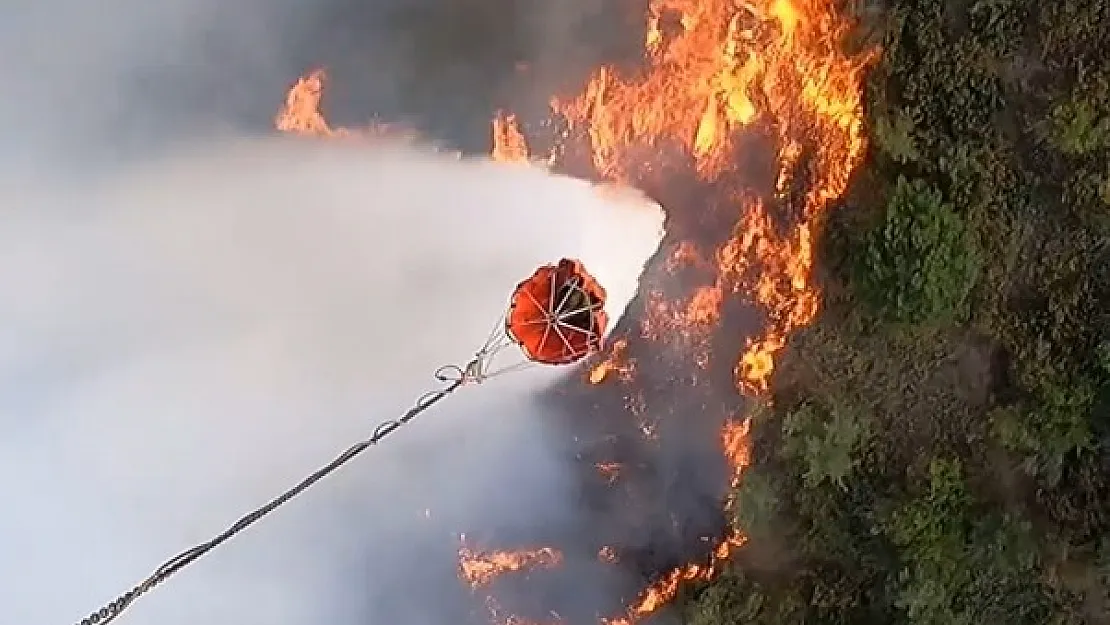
{"x": 736, "y": 598}
{"x": 1076, "y": 127}
{"x": 960, "y": 562}
{"x": 919, "y": 265}
{"x": 827, "y": 444}
{"x": 757, "y": 503}
{"x": 894, "y": 136}
{"x": 1047, "y": 434}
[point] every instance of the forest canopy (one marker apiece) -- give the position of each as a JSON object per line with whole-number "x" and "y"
{"x": 938, "y": 446}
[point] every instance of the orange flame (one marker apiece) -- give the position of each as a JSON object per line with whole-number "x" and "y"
{"x": 718, "y": 68}
{"x": 664, "y": 590}
{"x": 611, "y": 471}
{"x": 481, "y": 568}
{"x": 616, "y": 363}
{"x": 509, "y": 144}
{"x": 736, "y": 444}
{"x": 301, "y": 114}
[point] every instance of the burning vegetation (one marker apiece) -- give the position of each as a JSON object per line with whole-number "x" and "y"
{"x": 930, "y": 449}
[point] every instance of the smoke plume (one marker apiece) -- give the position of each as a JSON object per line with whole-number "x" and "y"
{"x": 192, "y": 319}
{"x": 180, "y": 341}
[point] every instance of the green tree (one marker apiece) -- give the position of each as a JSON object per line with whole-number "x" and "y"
{"x": 1050, "y": 431}
{"x": 919, "y": 264}
{"x": 1076, "y": 127}
{"x": 826, "y": 442}
{"x": 962, "y": 563}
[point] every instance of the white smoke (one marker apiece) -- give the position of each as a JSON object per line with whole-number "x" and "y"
{"x": 181, "y": 341}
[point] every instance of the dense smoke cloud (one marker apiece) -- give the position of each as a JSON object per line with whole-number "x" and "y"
{"x": 119, "y": 76}
{"x": 202, "y": 331}
{"x": 186, "y": 331}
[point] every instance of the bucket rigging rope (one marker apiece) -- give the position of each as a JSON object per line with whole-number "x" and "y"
{"x": 452, "y": 376}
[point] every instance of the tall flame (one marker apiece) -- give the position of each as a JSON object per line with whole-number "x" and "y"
{"x": 509, "y": 144}
{"x": 717, "y": 67}
{"x": 301, "y": 114}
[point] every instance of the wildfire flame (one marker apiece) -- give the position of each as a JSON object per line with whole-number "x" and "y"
{"x": 714, "y": 69}
{"x": 301, "y": 114}
{"x": 734, "y": 439}
{"x": 616, "y": 363}
{"x": 724, "y": 66}
{"x": 509, "y": 144}
{"x": 481, "y": 568}
{"x": 666, "y": 588}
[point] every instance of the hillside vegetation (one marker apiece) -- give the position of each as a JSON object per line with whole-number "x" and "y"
{"x": 938, "y": 450}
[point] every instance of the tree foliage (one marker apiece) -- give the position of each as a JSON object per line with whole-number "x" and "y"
{"x": 938, "y": 448}
{"x": 826, "y": 444}
{"x": 919, "y": 264}
{"x": 961, "y": 563}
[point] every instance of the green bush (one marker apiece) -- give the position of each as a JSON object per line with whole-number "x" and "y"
{"x": 1076, "y": 127}
{"x": 919, "y": 265}
{"x": 1102, "y": 571}
{"x": 931, "y": 528}
{"x": 826, "y": 443}
{"x": 895, "y": 137}
{"x": 962, "y": 563}
{"x": 736, "y": 598}
{"x": 1045, "y": 435}
{"x": 732, "y": 599}
{"x": 757, "y": 503}
{"x": 931, "y": 532}
{"x": 999, "y": 24}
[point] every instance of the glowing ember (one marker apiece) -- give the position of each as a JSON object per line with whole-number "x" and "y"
{"x": 608, "y": 555}
{"x": 684, "y": 254}
{"x": 611, "y": 471}
{"x": 499, "y": 615}
{"x": 480, "y": 569}
{"x": 617, "y": 363}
